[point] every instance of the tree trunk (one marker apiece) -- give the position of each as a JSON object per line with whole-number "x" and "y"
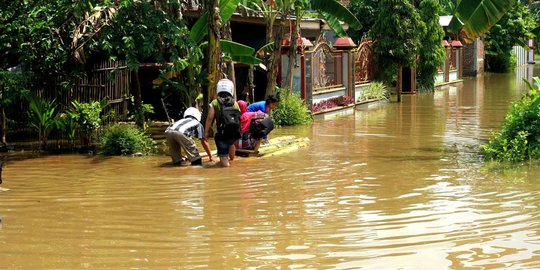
{"x": 274, "y": 58}
{"x": 229, "y": 65}
{"x": 292, "y": 52}
{"x": 251, "y": 86}
{"x": 137, "y": 96}
{"x": 214, "y": 53}
{"x": 4, "y": 125}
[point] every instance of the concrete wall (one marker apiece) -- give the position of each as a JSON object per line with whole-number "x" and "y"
{"x": 324, "y": 95}
{"x": 439, "y": 78}
{"x": 453, "y": 75}
{"x": 297, "y": 72}
{"x": 359, "y": 91}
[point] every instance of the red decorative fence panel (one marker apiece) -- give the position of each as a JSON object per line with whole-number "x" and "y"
{"x": 327, "y": 67}
{"x": 363, "y": 62}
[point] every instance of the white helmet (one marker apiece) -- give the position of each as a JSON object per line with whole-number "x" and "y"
{"x": 225, "y": 85}
{"x": 193, "y": 112}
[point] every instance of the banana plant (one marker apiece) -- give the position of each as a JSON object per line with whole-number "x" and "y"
{"x": 333, "y": 12}
{"x": 43, "y": 118}
{"x": 235, "y": 50}
{"x": 239, "y": 53}
{"x": 476, "y": 17}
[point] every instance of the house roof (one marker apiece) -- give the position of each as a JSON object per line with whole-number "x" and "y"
{"x": 444, "y": 21}
{"x": 247, "y": 15}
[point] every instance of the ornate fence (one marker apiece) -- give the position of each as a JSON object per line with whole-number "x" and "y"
{"x": 452, "y": 59}
{"x": 452, "y": 69}
{"x": 333, "y": 76}
{"x": 363, "y": 62}
{"x": 326, "y": 66}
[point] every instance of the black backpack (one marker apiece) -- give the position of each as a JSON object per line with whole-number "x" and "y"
{"x": 261, "y": 126}
{"x": 228, "y": 121}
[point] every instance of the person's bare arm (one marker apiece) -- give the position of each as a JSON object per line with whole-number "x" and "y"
{"x": 209, "y": 120}
{"x": 207, "y": 126}
{"x": 256, "y": 148}
{"x": 206, "y": 147}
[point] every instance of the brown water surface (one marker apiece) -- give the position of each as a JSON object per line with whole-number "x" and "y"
{"x": 398, "y": 186}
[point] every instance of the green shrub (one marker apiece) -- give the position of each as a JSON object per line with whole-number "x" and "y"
{"x": 292, "y": 110}
{"x": 519, "y": 138}
{"x": 88, "y": 117}
{"x": 431, "y": 53}
{"x": 500, "y": 62}
{"x": 120, "y": 139}
{"x": 376, "y": 90}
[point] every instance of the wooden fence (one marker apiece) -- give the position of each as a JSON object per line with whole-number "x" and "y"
{"x": 108, "y": 79}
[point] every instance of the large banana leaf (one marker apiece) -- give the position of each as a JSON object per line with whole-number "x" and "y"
{"x": 335, "y": 9}
{"x": 334, "y": 23}
{"x": 246, "y": 59}
{"x": 200, "y": 28}
{"x": 235, "y": 48}
{"x": 478, "y": 16}
{"x": 239, "y": 52}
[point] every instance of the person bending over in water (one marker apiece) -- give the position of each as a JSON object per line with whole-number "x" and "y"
{"x": 180, "y": 135}
{"x": 255, "y": 126}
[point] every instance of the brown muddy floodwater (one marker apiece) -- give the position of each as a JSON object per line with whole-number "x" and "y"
{"x": 398, "y": 186}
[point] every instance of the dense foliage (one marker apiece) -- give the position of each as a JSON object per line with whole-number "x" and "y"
{"x": 396, "y": 33}
{"x": 12, "y": 89}
{"x": 431, "y": 53}
{"x": 88, "y": 118}
{"x": 519, "y": 138}
{"x": 448, "y": 7}
{"x": 292, "y": 110}
{"x": 366, "y": 12}
{"x": 513, "y": 29}
{"x": 141, "y": 32}
{"x": 37, "y": 34}
{"x": 120, "y": 139}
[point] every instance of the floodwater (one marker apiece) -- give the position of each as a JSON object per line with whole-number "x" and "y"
{"x": 397, "y": 186}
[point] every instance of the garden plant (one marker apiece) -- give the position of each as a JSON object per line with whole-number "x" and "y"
{"x": 519, "y": 137}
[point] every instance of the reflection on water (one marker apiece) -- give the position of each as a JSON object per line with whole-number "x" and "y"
{"x": 399, "y": 186}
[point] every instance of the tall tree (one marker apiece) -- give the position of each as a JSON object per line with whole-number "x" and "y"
{"x": 214, "y": 50}
{"x": 138, "y": 31}
{"x": 431, "y": 53}
{"x": 366, "y": 12}
{"x": 396, "y": 33}
{"x": 513, "y": 29}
